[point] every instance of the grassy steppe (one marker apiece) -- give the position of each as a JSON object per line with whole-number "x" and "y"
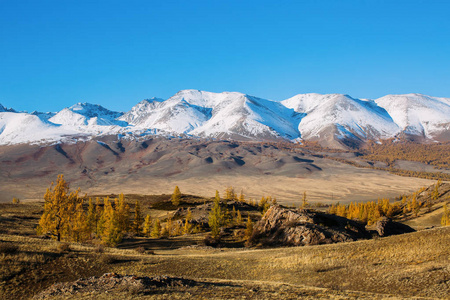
{"x": 410, "y": 265}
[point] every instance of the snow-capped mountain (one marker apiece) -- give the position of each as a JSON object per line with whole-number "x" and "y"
{"x": 220, "y": 115}
{"x": 4, "y": 109}
{"x": 340, "y": 116}
{"x": 417, "y": 114}
{"x": 85, "y": 114}
{"x": 333, "y": 120}
{"x": 174, "y": 116}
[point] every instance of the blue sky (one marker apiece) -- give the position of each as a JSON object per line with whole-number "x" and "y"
{"x": 116, "y": 53}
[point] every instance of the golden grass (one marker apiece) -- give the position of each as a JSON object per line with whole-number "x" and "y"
{"x": 416, "y": 264}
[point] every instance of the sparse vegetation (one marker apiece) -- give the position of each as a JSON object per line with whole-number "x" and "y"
{"x": 370, "y": 212}
{"x": 183, "y": 252}
{"x": 389, "y": 151}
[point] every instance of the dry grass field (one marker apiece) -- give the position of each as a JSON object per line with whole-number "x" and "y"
{"x": 396, "y": 267}
{"x": 411, "y": 265}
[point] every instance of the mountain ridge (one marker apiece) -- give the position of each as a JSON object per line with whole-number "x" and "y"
{"x": 334, "y": 120}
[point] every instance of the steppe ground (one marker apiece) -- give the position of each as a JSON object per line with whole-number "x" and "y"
{"x": 197, "y": 167}
{"x": 409, "y": 265}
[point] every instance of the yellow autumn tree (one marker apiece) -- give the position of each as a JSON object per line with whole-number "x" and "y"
{"x": 230, "y": 194}
{"x": 187, "y": 222}
{"x": 111, "y": 233}
{"x": 60, "y": 204}
{"x": 215, "y": 220}
{"x": 137, "y": 223}
{"x": 445, "y": 220}
{"x": 176, "y": 196}
{"x": 248, "y": 229}
{"x": 156, "y": 231}
{"x": 304, "y": 200}
{"x": 147, "y": 228}
{"x": 123, "y": 213}
{"x": 241, "y": 196}
{"x": 78, "y": 229}
{"x": 91, "y": 217}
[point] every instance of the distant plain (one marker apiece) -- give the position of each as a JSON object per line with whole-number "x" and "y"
{"x": 156, "y": 166}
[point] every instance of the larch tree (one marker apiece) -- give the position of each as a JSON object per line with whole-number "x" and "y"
{"x": 137, "y": 223}
{"x": 176, "y": 196}
{"x": 241, "y": 196}
{"x": 91, "y": 217}
{"x": 215, "y": 217}
{"x": 123, "y": 213}
{"x": 238, "y": 218}
{"x": 156, "y": 231}
{"x": 304, "y": 200}
{"x": 445, "y": 220}
{"x": 147, "y": 228}
{"x": 60, "y": 204}
{"x": 230, "y": 194}
{"x": 111, "y": 233}
{"x": 248, "y": 228}
{"x": 78, "y": 230}
{"x": 187, "y": 222}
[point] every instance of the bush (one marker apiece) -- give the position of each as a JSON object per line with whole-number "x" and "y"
{"x": 63, "y": 247}
{"x": 99, "y": 249}
{"x": 8, "y": 248}
{"x": 108, "y": 259}
{"x": 143, "y": 250}
{"x": 140, "y": 250}
{"x": 211, "y": 241}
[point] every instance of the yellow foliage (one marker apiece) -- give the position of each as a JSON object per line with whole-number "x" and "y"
{"x": 59, "y": 209}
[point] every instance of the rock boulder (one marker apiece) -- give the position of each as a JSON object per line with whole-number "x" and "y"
{"x": 288, "y": 227}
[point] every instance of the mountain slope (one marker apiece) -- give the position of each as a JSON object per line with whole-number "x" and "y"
{"x": 220, "y": 115}
{"x": 16, "y": 128}
{"x": 174, "y": 116}
{"x": 418, "y": 115}
{"x": 85, "y": 114}
{"x": 340, "y": 118}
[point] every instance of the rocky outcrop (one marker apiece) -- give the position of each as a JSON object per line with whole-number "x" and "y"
{"x": 287, "y": 227}
{"x": 386, "y": 227}
{"x": 111, "y": 282}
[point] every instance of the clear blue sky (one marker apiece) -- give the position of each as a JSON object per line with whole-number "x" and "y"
{"x": 116, "y": 53}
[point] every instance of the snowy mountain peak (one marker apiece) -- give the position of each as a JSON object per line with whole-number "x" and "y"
{"x": 331, "y": 119}
{"x": 93, "y": 110}
{"x": 418, "y": 114}
{"x": 4, "y": 109}
{"x": 83, "y": 114}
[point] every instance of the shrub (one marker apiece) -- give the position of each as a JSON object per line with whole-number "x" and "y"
{"x": 99, "y": 249}
{"x": 108, "y": 259}
{"x": 63, "y": 247}
{"x": 140, "y": 250}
